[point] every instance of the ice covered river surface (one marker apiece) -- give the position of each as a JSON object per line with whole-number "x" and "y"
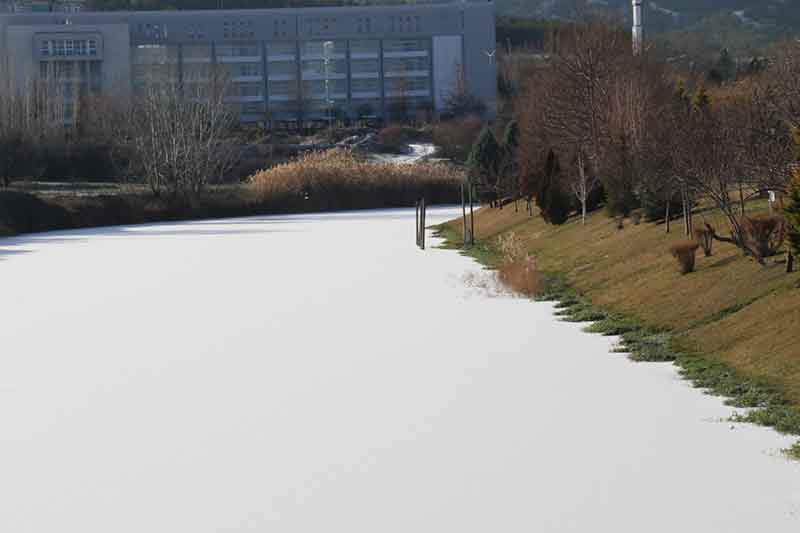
{"x": 318, "y": 373}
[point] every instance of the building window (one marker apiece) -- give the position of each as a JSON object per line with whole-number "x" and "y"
{"x": 44, "y": 48}
{"x": 281, "y": 49}
{"x": 405, "y": 46}
{"x": 364, "y": 47}
{"x": 283, "y": 68}
{"x": 239, "y": 50}
{"x": 364, "y": 66}
{"x": 405, "y": 64}
{"x": 245, "y": 69}
{"x": 365, "y": 85}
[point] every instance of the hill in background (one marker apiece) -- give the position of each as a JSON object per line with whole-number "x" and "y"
{"x": 741, "y": 25}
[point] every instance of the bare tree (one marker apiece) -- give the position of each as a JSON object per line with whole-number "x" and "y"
{"x": 578, "y": 99}
{"x": 179, "y": 134}
{"x": 32, "y": 118}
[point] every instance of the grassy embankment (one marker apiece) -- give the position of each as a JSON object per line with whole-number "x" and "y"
{"x": 732, "y": 326}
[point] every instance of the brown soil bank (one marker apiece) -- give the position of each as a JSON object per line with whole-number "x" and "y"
{"x": 730, "y": 309}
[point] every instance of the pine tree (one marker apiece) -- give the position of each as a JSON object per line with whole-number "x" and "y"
{"x": 553, "y": 202}
{"x": 484, "y": 162}
{"x": 792, "y": 210}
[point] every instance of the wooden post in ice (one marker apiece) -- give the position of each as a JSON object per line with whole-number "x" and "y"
{"x": 422, "y": 225}
{"x": 416, "y": 221}
{"x": 464, "y": 214}
{"x": 471, "y": 217}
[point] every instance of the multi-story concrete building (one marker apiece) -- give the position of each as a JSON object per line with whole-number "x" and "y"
{"x": 280, "y": 64}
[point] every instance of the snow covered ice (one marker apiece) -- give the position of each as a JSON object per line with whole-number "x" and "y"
{"x": 318, "y": 373}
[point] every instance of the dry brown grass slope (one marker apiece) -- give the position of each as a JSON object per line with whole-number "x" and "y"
{"x": 730, "y": 308}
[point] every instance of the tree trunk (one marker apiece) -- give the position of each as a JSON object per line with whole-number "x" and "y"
{"x": 666, "y": 214}
{"x": 741, "y": 199}
{"x": 789, "y": 262}
{"x": 684, "y": 203}
{"x": 583, "y": 210}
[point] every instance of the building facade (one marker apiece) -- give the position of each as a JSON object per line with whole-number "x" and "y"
{"x": 279, "y": 64}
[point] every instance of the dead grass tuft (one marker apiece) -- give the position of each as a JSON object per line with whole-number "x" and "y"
{"x": 518, "y": 271}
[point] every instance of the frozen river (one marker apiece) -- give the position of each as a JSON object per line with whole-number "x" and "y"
{"x": 320, "y": 374}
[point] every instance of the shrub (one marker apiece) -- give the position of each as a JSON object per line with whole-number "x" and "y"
{"x": 522, "y": 276}
{"x": 766, "y": 233}
{"x": 21, "y": 212}
{"x": 395, "y": 137}
{"x": 518, "y": 271}
{"x": 455, "y": 137}
{"x": 337, "y": 179}
{"x": 685, "y": 253}
{"x": 705, "y": 238}
{"x": 654, "y": 202}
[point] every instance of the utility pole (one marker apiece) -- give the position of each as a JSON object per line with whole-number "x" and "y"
{"x": 638, "y": 29}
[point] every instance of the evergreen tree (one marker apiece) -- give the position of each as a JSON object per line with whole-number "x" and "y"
{"x": 484, "y": 162}
{"x": 554, "y": 203}
{"x": 792, "y": 212}
{"x": 792, "y": 208}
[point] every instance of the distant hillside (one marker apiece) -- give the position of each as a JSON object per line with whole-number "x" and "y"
{"x": 737, "y": 24}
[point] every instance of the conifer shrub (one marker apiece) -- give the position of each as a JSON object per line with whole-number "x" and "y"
{"x": 555, "y": 204}
{"x": 792, "y": 213}
{"x": 766, "y": 233}
{"x": 705, "y": 238}
{"x": 685, "y": 253}
{"x": 655, "y": 203}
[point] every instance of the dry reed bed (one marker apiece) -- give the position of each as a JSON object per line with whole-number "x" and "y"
{"x": 338, "y": 179}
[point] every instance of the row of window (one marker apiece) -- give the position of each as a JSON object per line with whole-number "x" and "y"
{"x": 68, "y": 47}
{"x": 309, "y": 69}
{"x": 153, "y": 53}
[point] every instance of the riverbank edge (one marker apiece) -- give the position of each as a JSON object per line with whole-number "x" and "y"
{"x": 763, "y": 404}
{"x": 23, "y": 213}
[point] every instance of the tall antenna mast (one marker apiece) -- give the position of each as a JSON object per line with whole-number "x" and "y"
{"x": 638, "y": 30}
